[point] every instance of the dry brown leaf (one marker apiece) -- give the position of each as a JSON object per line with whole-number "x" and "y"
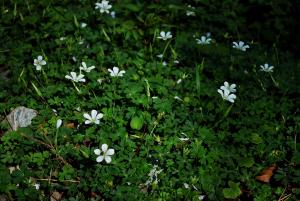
{"x": 266, "y": 174}
{"x": 56, "y": 196}
{"x": 70, "y": 125}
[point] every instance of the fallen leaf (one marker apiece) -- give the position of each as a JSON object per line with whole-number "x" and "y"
{"x": 70, "y": 125}
{"x": 266, "y": 174}
{"x": 21, "y": 117}
{"x": 56, "y": 196}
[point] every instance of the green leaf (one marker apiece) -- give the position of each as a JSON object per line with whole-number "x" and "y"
{"x": 246, "y": 162}
{"x": 255, "y": 138}
{"x": 232, "y": 192}
{"x": 136, "y": 123}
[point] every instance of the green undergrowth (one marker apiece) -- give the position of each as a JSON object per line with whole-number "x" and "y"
{"x": 173, "y": 136}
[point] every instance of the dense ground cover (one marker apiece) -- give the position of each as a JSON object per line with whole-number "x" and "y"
{"x": 161, "y": 100}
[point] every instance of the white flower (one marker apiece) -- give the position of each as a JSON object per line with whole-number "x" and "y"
{"x": 39, "y": 62}
{"x": 104, "y": 153}
{"x": 93, "y": 118}
{"x": 267, "y": 68}
{"x": 179, "y": 81}
{"x": 160, "y": 55}
{"x": 178, "y": 98}
{"x": 164, "y": 35}
{"x": 190, "y": 12}
{"x": 115, "y": 72}
{"x": 74, "y": 59}
{"x": 185, "y": 138}
{"x": 75, "y": 78}
{"x": 83, "y": 25}
{"x": 85, "y": 68}
{"x": 100, "y": 80}
{"x": 103, "y": 6}
{"x": 81, "y": 41}
{"x": 153, "y": 175}
{"x": 58, "y": 123}
{"x": 37, "y": 186}
{"x": 201, "y": 197}
{"x": 204, "y": 40}
{"x": 176, "y": 62}
{"x": 240, "y": 46}
{"x": 186, "y": 185}
{"x": 113, "y": 14}
{"x": 226, "y": 95}
{"x": 164, "y": 63}
{"x": 62, "y": 38}
{"x": 230, "y": 88}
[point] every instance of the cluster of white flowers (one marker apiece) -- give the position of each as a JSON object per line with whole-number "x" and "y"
{"x": 227, "y": 92}
{"x": 104, "y": 154}
{"x": 153, "y": 175}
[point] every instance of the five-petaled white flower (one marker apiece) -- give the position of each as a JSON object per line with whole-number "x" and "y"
{"x": 103, "y": 6}
{"x": 203, "y": 40}
{"x": 104, "y": 154}
{"x": 240, "y": 46}
{"x": 226, "y": 95}
{"x": 267, "y": 68}
{"x": 93, "y": 118}
{"x": 39, "y": 62}
{"x": 85, "y": 68}
{"x": 230, "y": 88}
{"x": 153, "y": 175}
{"x": 164, "y": 35}
{"x": 115, "y": 72}
{"x": 75, "y": 78}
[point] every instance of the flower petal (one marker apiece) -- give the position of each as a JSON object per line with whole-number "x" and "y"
{"x": 40, "y": 58}
{"x": 107, "y": 159}
{"x": 110, "y": 152}
{"x": 94, "y": 114}
{"x": 221, "y": 92}
{"x": 99, "y": 159}
{"x": 73, "y": 74}
{"x": 104, "y": 147}
{"x": 116, "y": 70}
{"x": 97, "y": 151}
{"x": 99, "y": 116}
{"x": 88, "y": 121}
{"x": 68, "y": 77}
{"x": 87, "y": 116}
